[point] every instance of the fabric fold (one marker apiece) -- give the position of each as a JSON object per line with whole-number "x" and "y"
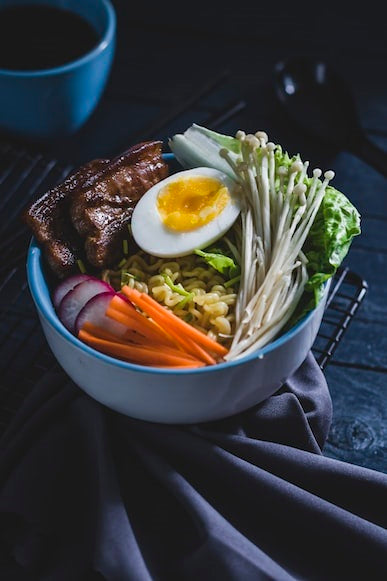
{"x": 86, "y": 493}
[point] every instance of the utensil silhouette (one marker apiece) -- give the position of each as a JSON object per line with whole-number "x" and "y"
{"x": 319, "y": 101}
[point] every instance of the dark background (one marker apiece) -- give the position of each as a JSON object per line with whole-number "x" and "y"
{"x": 206, "y": 63}
{"x": 166, "y": 55}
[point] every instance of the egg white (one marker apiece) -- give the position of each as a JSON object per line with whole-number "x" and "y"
{"x": 155, "y": 238}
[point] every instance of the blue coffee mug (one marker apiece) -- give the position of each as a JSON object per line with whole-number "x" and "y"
{"x": 49, "y": 103}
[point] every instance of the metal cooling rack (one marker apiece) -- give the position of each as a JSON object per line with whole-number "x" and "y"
{"x": 347, "y": 292}
{"x": 24, "y": 355}
{"x": 22, "y": 174}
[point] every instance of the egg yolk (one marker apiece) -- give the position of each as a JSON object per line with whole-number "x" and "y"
{"x": 187, "y": 204}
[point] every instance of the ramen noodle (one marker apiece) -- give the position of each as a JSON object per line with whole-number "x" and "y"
{"x": 202, "y": 299}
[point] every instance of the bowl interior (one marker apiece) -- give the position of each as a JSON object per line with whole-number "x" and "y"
{"x": 41, "y": 284}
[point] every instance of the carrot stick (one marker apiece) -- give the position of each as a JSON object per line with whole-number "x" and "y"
{"x": 126, "y": 315}
{"x": 134, "y": 320}
{"x": 187, "y": 342}
{"x": 101, "y": 333}
{"x": 147, "y": 337}
{"x": 171, "y": 319}
{"x": 136, "y": 326}
{"x": 164, "y": 317}
{"x": 137, "y": 354}
{"x": 199, "y": 352}
{"x": 189, "y": 346}
{"x": 175, "y": 339}
{"x": 129, "y": 335}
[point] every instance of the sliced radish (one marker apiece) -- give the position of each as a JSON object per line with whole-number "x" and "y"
{"x": 67, "y": 285}
{"x": 94, "y": 312}
{"x": 74, "y": 301}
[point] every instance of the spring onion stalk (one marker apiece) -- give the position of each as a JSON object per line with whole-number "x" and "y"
{"x": 176, "y": 288}
{"x": 199, "y": 147}
{"x": 81, "y": 266}
{"x": 279, "y": 204}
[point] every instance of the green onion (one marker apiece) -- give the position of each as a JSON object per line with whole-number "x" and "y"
{"x": 232, "y": 281}
{"x": 126, "y": 276}
{"x": 81, "y": 266}
{"x": 186, "y": 300}
{"x": 125, "y": 247}
{"x": 177, "y": 288}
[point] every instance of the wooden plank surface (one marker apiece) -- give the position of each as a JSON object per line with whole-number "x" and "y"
{"x": 358, "y": 432}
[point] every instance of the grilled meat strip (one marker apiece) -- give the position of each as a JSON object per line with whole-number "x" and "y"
{"x": 48, "y": 218}
{"x": 101, "y": 211}
{"x": 89, "y": 212}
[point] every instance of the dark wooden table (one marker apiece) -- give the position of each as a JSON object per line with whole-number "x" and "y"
{"x": 214, "y": 66}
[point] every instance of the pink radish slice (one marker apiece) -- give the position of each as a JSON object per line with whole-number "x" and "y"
{"x": 67, "y": 285}
{"x": 94, "y": 312}
{"x": 74, "y": 301}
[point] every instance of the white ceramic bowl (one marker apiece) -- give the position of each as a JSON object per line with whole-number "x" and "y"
{"x": 161, "y": 395}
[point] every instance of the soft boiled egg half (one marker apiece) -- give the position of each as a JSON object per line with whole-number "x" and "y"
{"x": 188, "y": 210}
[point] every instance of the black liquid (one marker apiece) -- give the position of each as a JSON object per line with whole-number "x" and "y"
{"x": 42, "y": 37}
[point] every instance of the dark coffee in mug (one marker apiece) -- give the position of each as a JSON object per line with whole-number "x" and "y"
{"x": 36, "y": 37}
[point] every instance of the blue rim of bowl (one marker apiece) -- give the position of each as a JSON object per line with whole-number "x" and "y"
{"x": 104, "y": 42}
{"x": 36, "y": 281}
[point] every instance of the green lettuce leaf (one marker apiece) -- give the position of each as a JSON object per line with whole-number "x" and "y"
{"x": 220, "y": 261}
{"x": 330, "y": 237}
{"x": 282, "y": 158}
{"x": 337, "y": 222}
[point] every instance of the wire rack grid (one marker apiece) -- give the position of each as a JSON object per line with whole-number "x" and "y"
{"x": 24, "y": 355}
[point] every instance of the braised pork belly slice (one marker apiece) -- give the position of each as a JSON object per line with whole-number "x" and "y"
{"x": 88, "y": 214}
{"x": 49, "y": 219}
